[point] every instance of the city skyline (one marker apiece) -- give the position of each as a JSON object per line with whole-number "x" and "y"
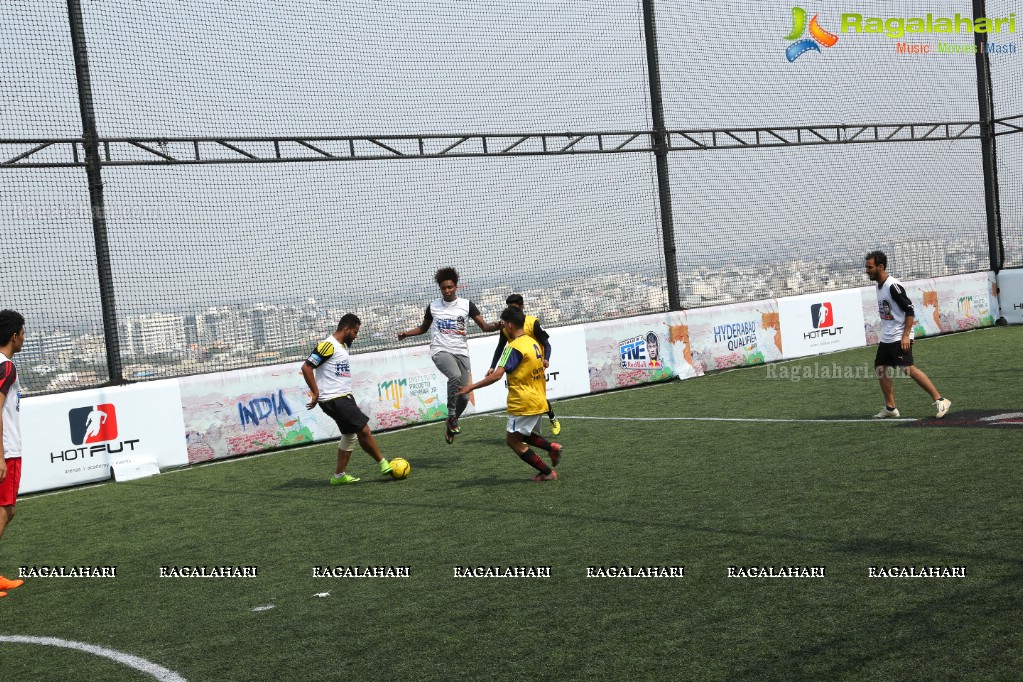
{"x": 162, "y": 344}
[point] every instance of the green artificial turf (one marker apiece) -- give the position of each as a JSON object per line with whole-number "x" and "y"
{"x": 706, "y": 495}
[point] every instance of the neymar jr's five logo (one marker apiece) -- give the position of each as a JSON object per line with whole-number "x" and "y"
{"x": 818, "y": 36}
{"x": 640, "y": 352}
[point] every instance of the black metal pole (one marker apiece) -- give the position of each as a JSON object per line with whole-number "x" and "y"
{"x": 95, "y": 179}
{"x": 661, "y": 156}
{"x": 985, "y": 96}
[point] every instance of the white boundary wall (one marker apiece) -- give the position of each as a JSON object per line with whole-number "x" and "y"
{"x": 211, "y": 416}
{"x": 1010, "y": 284}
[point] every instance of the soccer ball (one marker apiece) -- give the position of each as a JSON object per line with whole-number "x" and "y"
{"x": 400, "y": 468}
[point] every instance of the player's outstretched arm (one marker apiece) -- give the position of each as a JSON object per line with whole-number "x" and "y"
{"x": 421, "y": 329}
{"x": 415, "y": 331}
{"x": 484, "y": 325}
{"x": 497, "y": 353}
{"x": 492, "y": 378}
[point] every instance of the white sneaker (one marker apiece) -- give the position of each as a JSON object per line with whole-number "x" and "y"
{"x": 885, "y": 413}
{"x": 942, "y": 407}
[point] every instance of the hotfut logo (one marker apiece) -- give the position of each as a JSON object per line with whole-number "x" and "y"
{"x": 823, "y": 317}
{"x": 822, "y": 314}
{"x": 818, "y": 36}
{"x": 93, "y": 424}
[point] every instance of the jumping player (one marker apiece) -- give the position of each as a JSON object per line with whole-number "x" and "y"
{"x": 447, "y": 320}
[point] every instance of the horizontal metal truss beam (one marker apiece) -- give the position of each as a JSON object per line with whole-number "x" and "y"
{"x": 148, "y": 151}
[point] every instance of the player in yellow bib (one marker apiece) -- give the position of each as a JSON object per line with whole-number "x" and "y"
{"x": 523, "y": 363}
{"x": 532, "y": 329}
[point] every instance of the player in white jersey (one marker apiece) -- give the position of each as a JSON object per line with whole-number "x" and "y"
{"x": 12, "y": 338}
{"x": 447, "y": 319}
{"x": 328, "y": 373}
{"x": 895, "y": 349}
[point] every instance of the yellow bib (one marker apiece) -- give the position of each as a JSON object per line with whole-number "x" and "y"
{"x": 527, "y": 384}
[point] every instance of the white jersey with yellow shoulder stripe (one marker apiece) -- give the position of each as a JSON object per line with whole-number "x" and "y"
{"x": 333, "y": 371}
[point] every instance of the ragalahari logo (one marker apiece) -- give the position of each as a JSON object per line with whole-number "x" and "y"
{"x": 822, "y": 315}
{"x": 93, "y": 424}
{"x": 818, "y": 36}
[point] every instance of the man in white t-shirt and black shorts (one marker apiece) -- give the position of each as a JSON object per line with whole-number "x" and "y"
{"x": 895, "y": 349}
{"x": 447, "y": 319}
{"x": 328, "y": 373}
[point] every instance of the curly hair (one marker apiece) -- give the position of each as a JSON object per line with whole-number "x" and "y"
{"x": 444, "y": 274}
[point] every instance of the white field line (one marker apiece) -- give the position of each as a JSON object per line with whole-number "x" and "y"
{"x": 141, "y": 664}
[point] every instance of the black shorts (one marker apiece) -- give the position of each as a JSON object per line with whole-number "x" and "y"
{"x": 892, "y": 355}
{"x": 345, "y": 413}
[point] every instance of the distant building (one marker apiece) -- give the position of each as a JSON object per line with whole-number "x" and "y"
{"x": 46, "y": 346}
{"x": 918, "y": 258}
{"x": 155, "y": 334}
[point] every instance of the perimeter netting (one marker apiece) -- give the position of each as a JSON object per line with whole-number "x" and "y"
{"x": 230, "y": 263}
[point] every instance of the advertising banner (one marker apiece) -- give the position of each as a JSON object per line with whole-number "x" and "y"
{"x": 249, "y": 410}
{"x": 682, "y": 357}
{"x": 966, "y": 302}
{"x": 822, "y": 323}
{"x": 735, "y": 335}
{"x": 257, "y": 409}
{"x": 74, "y": 438}
{"x": 1010, "y": 296}
{"x": 943, "y": 305}
{"x": 630, "y": 352}
{"x": 568, "y": 374}
{"x": 399, "y": 388}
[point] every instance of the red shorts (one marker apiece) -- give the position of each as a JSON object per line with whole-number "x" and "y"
{"x": 9, "y": 487}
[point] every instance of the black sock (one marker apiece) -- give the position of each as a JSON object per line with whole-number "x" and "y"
{"x": 533, "y": 460}
{"x": 539, "y": 441}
